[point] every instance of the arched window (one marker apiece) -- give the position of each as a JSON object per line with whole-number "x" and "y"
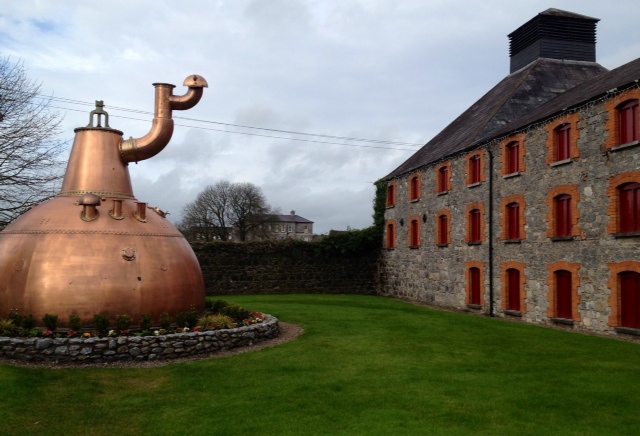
{"x": 513, "y": 157}
{"x": 414, "y": 188}
{"x": 630, "y": 299}
{"x": 391, "y": 195}
{"x": 443, "y": 230}
{"x": 562, "y": 142}
{"x": 627, "y": 114}
{"x": 391, "y": 236}
{"x": 414, "y": 233}
{"x": 474, "y": 169}
{"x": 629, "y": 208}
{"x": 513, "y": 290}
{"x": 513, "y": 221}
{"x": 475, "y": 226}
{"x": 563, "y": 303}
{"x": 562, "y": 209}
{"x": 443, "y": 179}
{"x": 474, "y": 286}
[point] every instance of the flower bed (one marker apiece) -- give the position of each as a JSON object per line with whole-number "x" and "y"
{"x": 135, "y": 348}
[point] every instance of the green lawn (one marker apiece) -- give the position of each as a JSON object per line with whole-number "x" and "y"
{"x": 365, "y": 366}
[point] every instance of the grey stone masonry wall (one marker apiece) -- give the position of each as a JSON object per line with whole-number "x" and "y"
{"x": 135, "y": 348}
{"x": 438, "y": 275}
{"x": 284, "y": 267}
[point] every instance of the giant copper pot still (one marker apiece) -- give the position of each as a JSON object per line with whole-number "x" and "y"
{"x": 94, "y": 248}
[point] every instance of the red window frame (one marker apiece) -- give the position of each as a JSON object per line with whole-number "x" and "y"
{"x": 563, "y": 142}
{"x": 474, "y": 278}
{"x": 391, "y": 195}
{"x": 564, "y": 307}
{"x": 629, "y": 207}
{"x": 628, "y": 122}
{"x": 513, "y": 221}
{"x": 630, "y": 299}
{"x": 443, "y": 179}
{"x": 513, "y": 157}
{"x": 414, "y": 233}
{"x": 443, "y": 229}
{"x": 391, "y": 236}
{"x": 562, "y": 206}
{"x": 474, "y": 169}
{"x": 475, "y": 226}
{"x": 513, "y": 289}
{"x": 414, "y": 188}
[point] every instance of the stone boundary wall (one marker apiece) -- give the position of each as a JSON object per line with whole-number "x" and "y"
{"x": 135, "y": 348}
{"x": 284, "y": 268}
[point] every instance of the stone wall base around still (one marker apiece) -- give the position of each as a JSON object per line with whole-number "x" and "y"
{"x": 135, "y": 348}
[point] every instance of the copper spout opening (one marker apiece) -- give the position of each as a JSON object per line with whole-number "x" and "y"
{"x": 116, "y": 212}
{"x": 141, "y": 212}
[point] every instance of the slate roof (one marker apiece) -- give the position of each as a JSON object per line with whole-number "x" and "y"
{"x": 293, "y": 219}
{"x": 615, "y": 80}
{"x": 516, "y": 96}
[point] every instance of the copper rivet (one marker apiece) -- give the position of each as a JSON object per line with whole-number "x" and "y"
{"x": 128, "y": 253}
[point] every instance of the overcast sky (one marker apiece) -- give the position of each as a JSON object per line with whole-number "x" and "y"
{"x": 383, "y": 70}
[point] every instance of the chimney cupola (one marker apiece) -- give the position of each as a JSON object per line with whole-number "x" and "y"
{"x": 553, "y": 34}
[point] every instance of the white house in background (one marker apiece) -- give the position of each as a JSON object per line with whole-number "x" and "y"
{"x": 291, "y": 226}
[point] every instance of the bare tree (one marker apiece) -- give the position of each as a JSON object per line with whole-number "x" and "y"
{"x": 249, "y": 211}
{"x": 224, "y": 208}
{"x": 206, "y": 217}
{"x": 30, "y": 171}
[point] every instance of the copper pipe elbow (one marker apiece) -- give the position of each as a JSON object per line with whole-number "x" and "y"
{"x": 135, "y": 150}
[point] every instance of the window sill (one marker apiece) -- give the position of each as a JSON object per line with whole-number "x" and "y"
{"x": 562, "y": 321}
{"x": 625, "y": 146}
{"x": 474, "y": 243}
{"x": 513, "y": 241}
{"x": 561, "y": 162}
{"x": 627, "y": 331}
{"x": 415, "y": 200}
{"x": 474, "y": 306}
{"x": 442, "y": 245}
{"x": 473, "y": 185}
{"x": 442, "y": 193}
{"x": 390, "y": 248}
{"x": 414, "y": 247}
{"x": 508, "y": 176}
{"x": 514, "y": 313}
{"x": 561, "y": 238}
{"x": 390, "y": 206}
{"x": 627, "y": 235}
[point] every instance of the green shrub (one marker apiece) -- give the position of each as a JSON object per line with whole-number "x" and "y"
{"x": 236, "y": 312}
{"x": 7, "y": 327}
{"x": 181, "y": 319}
{"x": 50, "y": 322}
{"x": 75, "y": 323}
{"x": 145, "y": 321}
{"x": 216, "y": 322}
{"x": 16, "y": 318}
{"x": 215, "y": 306}
{"x": 192, "y": 319}
{"x": 101, "y": 323}
{"x": 29, "y": 322}
{"x": 165, "y": 321}
{"x": 123, "y": 322}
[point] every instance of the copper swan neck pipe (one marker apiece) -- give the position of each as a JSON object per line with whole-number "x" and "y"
{"x": 135, "y": 150}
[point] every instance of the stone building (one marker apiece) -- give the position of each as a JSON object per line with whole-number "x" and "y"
{"x": 528, "y": 204}
{"x": 291, "y": 226}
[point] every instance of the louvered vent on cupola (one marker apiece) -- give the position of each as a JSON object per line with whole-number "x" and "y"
{"x": 553, "y": 34}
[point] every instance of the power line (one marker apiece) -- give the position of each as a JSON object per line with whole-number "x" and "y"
{"x": 345, "y": 138}
{"x": 254, "y": 134}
